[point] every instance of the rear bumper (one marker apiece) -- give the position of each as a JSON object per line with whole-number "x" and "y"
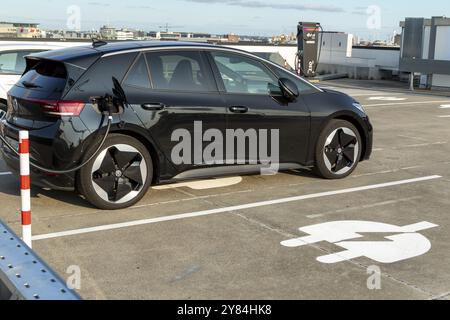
{"x": 46, "y": 149}
{"x": 38, "y": 178}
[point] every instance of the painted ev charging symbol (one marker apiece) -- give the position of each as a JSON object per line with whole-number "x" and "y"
{"x": 405, "y": 244}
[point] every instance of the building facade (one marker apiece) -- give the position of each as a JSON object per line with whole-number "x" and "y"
{"x": 19, "y": 30}
{"x": 426, "y": 50}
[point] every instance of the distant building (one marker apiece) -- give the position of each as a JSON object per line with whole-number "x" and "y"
{"x": 339, "y": 56}
{"x": 398, "y": 40}
{"x": 233, "y": 38}
{"x": 19, "y": 30}
{"x": 168, "y": 35}
{"x": 123, "y": 35}
{"x": 80, "y": 35}
{"x": 108, "y": 33}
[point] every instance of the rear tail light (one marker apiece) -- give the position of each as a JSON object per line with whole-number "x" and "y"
{"x": 61, "y": 108}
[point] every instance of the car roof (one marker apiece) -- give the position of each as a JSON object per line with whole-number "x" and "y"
{"x": 130, "y": 45}
{"x": 85, "y": 51}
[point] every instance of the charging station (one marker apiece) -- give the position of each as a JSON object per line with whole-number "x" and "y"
{"x": 308, "y": 48}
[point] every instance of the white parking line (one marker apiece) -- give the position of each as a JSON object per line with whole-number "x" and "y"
{"x": 446, "y": 116}
{"x": 382, "y": 98}
{"x": 413, "y": 146}
{"x": 369, "y": 94}
{"x": 5, "y": 173}
{"x": 403, "y": 103}
{"x": 228, "y": 209}
{"x": 445, "y": 106}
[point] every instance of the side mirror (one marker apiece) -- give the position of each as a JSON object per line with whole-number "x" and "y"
{"x": 289, "y": 89}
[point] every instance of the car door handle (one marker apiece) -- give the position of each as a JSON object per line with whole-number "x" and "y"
{"x": 239, "y": 109}
{"x": 154, "y": 106}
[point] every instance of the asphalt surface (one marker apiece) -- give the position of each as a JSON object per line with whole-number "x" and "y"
{"x": 199, "y": 241}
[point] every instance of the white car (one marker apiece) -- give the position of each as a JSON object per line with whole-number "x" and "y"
{"x": 12, "y": 63}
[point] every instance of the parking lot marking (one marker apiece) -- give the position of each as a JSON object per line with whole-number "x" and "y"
{"x": 405, "y": 244}
{"x": 412, "y": 138}
{"x": 367, "y": 94}
{"x": 403, "y": 103}
{"x": 445, "y": 106}
{"x": 5, "y": 173}
{"x": 387, "y": 99}
{"x": 446, "y": 116}
{"x": 437, "y": 143}
{"x": 228, "y": 209}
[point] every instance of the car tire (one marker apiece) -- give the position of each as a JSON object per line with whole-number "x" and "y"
{"x": 338, "y": 150}
{"x": 3, "y": 109}
{"x": 119, "y": 176}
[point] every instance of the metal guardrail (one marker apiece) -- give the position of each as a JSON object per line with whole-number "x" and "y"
{"x": 24, "y": 275}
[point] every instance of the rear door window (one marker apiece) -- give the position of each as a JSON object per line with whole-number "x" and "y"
{"x": 13, "y": 62}
{"x": 180, "y": 71}
{"x": 138, "y": 74}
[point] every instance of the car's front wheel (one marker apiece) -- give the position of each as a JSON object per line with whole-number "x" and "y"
{"x": 119, "y": 176}
{"x": 338, "y": 150}
{"x": 3, "y": 109}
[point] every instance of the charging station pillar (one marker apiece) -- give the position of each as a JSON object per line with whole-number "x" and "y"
{"x": 25, "y": 185}
{"x": 307, "y": 41}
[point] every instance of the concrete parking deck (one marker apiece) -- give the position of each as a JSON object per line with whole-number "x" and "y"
{"x": 202, "y": 242}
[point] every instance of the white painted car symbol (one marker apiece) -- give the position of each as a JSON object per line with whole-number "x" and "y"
{"x": 405, "y": 244}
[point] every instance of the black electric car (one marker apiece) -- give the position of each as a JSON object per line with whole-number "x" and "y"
{"x": 158, "y": 89}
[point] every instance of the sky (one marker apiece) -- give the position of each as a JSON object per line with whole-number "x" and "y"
{"x": 250, "y": 17}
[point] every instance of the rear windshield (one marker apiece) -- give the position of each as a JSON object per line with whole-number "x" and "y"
{"x": 47, "y": 77}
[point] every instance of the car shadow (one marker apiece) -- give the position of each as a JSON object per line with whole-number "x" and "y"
{"x": 306, "y": 173}
{"x": 70, "y": 197}
{"x": 10, "y": 185}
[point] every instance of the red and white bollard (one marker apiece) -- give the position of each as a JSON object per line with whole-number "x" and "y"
{"x": 24, "y": 150}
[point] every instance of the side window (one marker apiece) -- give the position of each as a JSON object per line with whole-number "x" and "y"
{"x": 97, "y": 80}
{"x": 138, "y": 74}
{"x": 180, "y": 71}
{"x": 303, "y": 86}
{"x": 244, "y": 75}
{"x": 13, "y": 62}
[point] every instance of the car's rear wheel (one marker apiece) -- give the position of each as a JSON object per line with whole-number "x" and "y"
{"x": 338, "y": 150}
{"x": 119, "y": 176}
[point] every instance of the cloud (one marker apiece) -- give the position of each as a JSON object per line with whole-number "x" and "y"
{"x": 139, "y": 7}
{"x": 273, "y": 5}
{"x": 98, "y": 4}
{"x": 361, "y": 11}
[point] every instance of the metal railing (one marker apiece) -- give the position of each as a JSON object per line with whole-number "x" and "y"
{"x": 24, "y": 275}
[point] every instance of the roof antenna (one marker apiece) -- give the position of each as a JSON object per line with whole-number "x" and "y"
{"x": 98, "y": 43}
